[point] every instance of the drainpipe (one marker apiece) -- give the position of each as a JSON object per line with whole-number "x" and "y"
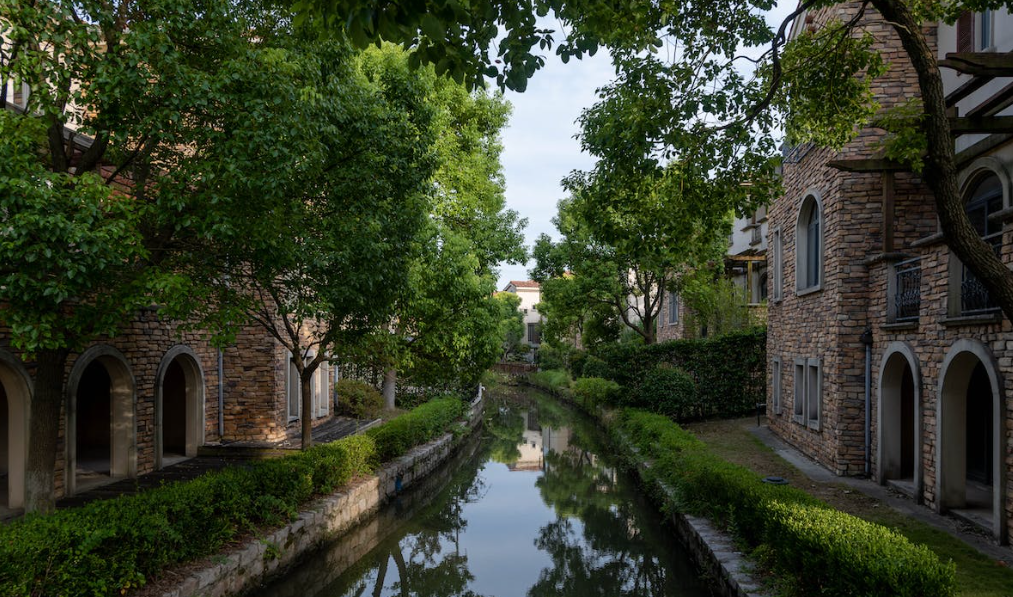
{"x": 221, "y": 396}
{"x": 866, "y": 339}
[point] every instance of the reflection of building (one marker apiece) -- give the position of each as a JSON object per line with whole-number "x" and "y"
{"x": 531, "y": 444}
{"x": 745, "y": 265}
{"x": 857, "y": 256}
{"x": 530, "y": 294}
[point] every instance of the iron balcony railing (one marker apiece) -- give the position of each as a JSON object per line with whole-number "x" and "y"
{"x": 907, "y": 296}
{"x": 974, "y": 298}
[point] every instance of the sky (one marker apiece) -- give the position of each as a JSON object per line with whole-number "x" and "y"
{"x": 539, "y": 144}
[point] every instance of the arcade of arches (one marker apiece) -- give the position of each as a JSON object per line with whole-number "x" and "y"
{"x": 970, "y": 442}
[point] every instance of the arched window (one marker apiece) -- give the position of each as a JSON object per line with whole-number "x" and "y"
{"x": 984, "y": 200}
{"x": 809, "y": 245}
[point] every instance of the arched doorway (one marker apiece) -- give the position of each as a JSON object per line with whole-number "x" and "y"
{"x": 15, "y": 393}
{"x": 179, "y": 404}
{"x": 970, "y": 472}
{"x": 898, "y": 425}
{"x": 101, "y": 435}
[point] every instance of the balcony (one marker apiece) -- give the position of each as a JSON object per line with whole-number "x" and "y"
{"x": 907, "y": 290}
{"x": 974, "y": 298}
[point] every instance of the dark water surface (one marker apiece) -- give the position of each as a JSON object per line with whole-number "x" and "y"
{"x": 535, "y": 507}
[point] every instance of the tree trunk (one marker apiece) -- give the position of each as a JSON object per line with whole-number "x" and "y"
{"x": 389, "y": 388}
{"x": 44, "y": 429}
{"x": 306, "y": 416}
{"x": 402, "y": 570}
{"x": 940, "y": 171}
{"x": 381, "y": 576}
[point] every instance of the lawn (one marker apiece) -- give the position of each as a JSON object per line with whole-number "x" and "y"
{"x": 977, "y": 574}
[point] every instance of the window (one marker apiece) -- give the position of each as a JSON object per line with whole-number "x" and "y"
{"x": 814, "y": 393}
{"x": 673, "y": 308}
{"x": 292, "y": 392}
{"x": 986, "y": 40}
{"x": 798, "y": 405}
{"x": 809, "y": 245}
{"x": 321, "y": 383}
{"x": 807, "y": 408}
{"x": 534, "y": 333}
{"x": 778, "y": 266}
{"x": 775, "y": 385}
{"x": 984, "y": 201}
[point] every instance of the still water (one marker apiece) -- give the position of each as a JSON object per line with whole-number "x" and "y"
{"x": 534, "y": 507}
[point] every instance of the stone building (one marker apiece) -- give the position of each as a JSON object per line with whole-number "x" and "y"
{"x": 862, "y": 281}
{"x": 150, "y": 397}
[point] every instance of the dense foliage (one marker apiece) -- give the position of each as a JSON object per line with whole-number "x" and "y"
{"x": 108, "y": 547}
{"x": 729, "y": 374}
{"x": 817, "y": 549}
{"x": 358, "y": 399}
{"x": 592, "y": 392}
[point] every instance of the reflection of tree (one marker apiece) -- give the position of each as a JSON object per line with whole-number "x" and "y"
{"x": 426, "y": 556}
{"x": 608, "y": 553}
{"x": 506, "y": 428}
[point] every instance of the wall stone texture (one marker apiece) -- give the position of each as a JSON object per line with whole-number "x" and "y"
{"x": 857, "y": 283}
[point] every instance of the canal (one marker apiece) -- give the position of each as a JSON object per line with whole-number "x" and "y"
{"x": 532, "y": 506}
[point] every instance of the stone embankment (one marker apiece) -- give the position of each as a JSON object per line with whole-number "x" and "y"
{"x": 264, "y": 557}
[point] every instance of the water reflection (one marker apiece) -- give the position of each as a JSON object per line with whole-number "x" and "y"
{"x": 539, "y": 510}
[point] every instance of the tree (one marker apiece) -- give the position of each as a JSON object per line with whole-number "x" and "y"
{"x": 151, "y": 128}
{"x": 511, "y": 322}
{"x": 625, "y": 239}
{"x": 327, "y": 269}
{"x": 446, "y": 325}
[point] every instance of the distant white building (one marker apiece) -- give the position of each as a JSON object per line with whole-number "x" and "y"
{"x": 530, "y": 293}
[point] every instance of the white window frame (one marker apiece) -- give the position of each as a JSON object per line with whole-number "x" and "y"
{"x": 293, "y": 390}
{"x": 985, "y": 30}
{"x": 803, "y": 285}
{"x": 321, "y": 383}
{"x": 775, "y": 385}
{"x": 778, "y": 291}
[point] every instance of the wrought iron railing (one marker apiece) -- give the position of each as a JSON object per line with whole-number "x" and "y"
{"x": 974, "y": 297}
{"x": 907, "y": 296}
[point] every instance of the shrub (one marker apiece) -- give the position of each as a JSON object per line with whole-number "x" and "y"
{"x": 415, "y": 427}
{"x": 553, "y": 381}
{"x": 823, "y": 550}
{"x": 668, "y": 391}
{"x": 109, "y": 547}
{"x": 358, "y": 399}
{"x": 575, "y": 364}
{"x": 592, "y": 392}
{"x": 594, "y": 367}
{"x": 549, "y": 357}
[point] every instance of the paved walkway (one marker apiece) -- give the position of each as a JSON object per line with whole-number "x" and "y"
{"x": 972, "y": 536}
{"x": 210, "y": 458}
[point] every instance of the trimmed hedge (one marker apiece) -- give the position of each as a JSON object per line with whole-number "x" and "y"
{"x": 668, "y": 391}
{"x": 730, "y": 372}
{"x": 109, "y": 547}
{"x": 415, "y": 427}
{"x": 823, "y": 551}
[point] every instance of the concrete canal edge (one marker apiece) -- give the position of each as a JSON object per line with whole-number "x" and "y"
{"x": 712, "y": 548}
{"x": 265, "y": 557}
